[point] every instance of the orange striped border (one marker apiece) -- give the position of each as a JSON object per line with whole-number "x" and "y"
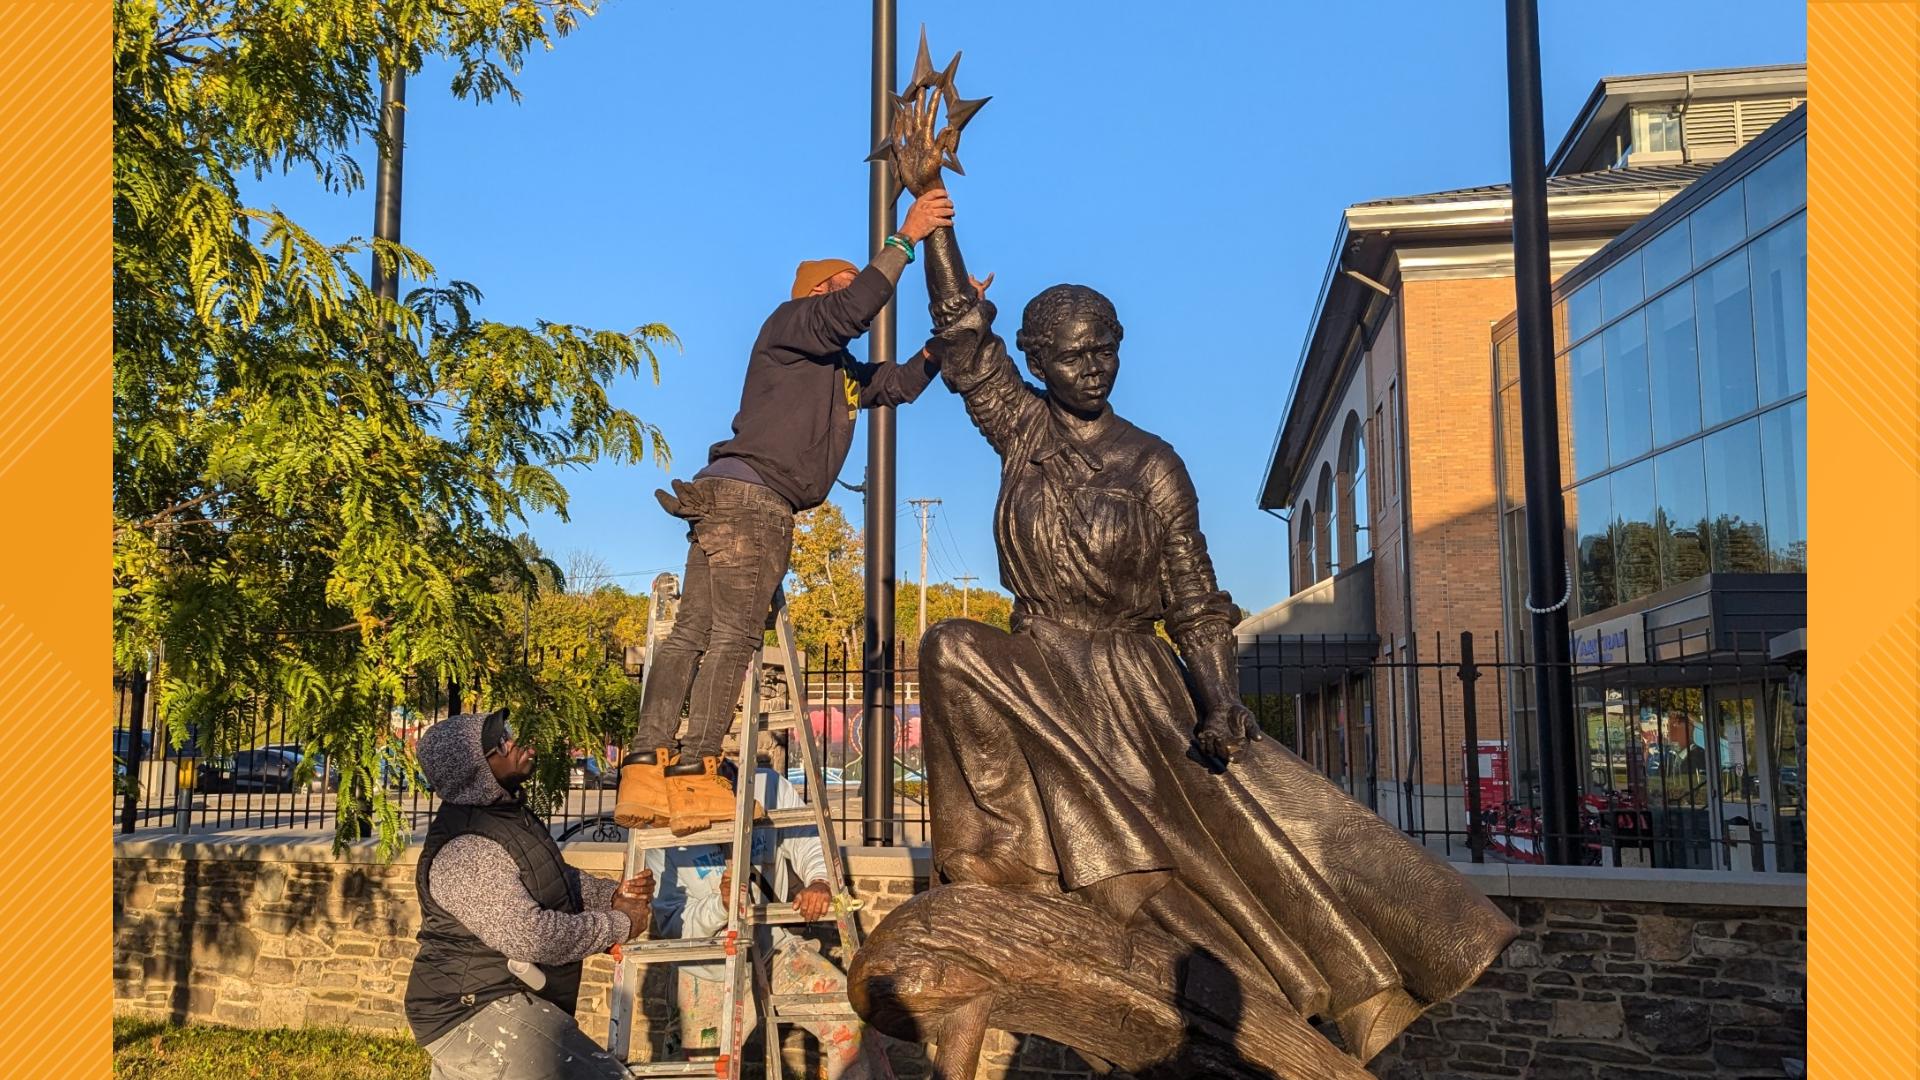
{"x": 55, "y": 340}
{"x": 55, "y": 545}
{"x": 1864, "y": 512}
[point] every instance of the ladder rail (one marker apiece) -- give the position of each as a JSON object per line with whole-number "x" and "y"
{"x": 739, "y": 944}
{"x": 843, "y": 906}
{"x": 626, "y": 972}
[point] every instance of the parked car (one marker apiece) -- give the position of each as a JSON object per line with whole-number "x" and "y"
{"x": 325, "y": 776}
{"x": 249, "y": 770}
{"x": 588, "y": 773}
{"x": 123, "y": 742}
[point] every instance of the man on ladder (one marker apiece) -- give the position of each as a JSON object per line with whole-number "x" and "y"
{"x": 802, "y": 397}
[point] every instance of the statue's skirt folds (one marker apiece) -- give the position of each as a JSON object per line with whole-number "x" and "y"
{"x": 1061, "y": 757}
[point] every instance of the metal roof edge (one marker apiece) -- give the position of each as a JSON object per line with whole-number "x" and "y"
{"x": 1327, "y": 283}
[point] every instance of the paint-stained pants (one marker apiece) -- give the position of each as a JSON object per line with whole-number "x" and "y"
{"x": 521, "y": 1038}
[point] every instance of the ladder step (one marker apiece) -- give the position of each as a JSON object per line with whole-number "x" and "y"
{"x": 673, "y": 1068}
{"x": 788, "y": 915}
{"x": 811, "y": 1007}
{"x": 775, "y": 720}
{"x": 647, "y": 839}
{"x": 678, "y": 950}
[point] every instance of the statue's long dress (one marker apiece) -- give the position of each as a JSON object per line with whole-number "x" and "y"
{"x": 1065, "y": 748}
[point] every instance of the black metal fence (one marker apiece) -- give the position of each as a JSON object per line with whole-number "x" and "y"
{"x": 1689, "y": 761}
{"x": 258, "y": 778}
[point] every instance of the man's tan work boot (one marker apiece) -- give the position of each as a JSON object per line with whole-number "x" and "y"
{"x": 698, "y": 797}
{"x": 642, "y": 802}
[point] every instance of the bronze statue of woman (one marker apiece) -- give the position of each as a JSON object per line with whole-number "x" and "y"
{"x": 1081, "y": 755}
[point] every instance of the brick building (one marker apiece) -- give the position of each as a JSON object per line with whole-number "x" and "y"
{"x": 1384, "y": 464}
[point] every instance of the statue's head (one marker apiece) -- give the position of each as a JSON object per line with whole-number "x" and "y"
{"x": 1071, "y": 337}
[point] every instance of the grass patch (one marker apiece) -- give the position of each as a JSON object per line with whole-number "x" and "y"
{"x": 152, "y": 1050}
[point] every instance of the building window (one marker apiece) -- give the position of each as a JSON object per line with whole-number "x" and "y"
{"x": 1668, "y": 257}
{"x": 1718, "y": 225}
{"x": 1656, "y": 131}
{"x": 1680, "y": 485}
{"x": 1779, "y": 261}
{"x": 1589, "y": 413}
{"x": 1735, "y": 500}
{"x": 1621, "y": 289}
{"x": 1673, "y": 359}
{"x": 1723, "y": 306}
{"x": 1328, "y": 527}
{"x": 1304, "y": 559}
{"x": 1592, "y": 512}
{"x": 1353, "y": 512}
{"x": 1624, "y": 352}
{"x": 1777, "y": 188}
{"x": 1583, "y": 311}
{"x": 1783, "y": 464}
{"x": 1636, "y": 547}
{"x": 1380, "y": 443}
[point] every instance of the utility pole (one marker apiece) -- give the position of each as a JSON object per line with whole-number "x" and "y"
{"x": 876, "y": 794}
{"x": 923, "y": 509}
{"x": 966, "y": 592}
{"x": 1547, "y": 569}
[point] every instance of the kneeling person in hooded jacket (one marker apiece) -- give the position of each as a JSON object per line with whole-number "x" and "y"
{"x": 505, "y": 923}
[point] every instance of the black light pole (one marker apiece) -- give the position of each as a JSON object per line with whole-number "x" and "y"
{"x": 1547, "y": 566}
{"x": 386, "y": 183}
{"x": 386, "y": 282}
{"x": 876, "y": 793}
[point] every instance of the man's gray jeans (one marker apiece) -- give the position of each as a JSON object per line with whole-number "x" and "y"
{"x": 521, "y": 1038}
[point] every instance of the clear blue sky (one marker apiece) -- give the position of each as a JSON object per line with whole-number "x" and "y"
{"x": 671, "y": 162}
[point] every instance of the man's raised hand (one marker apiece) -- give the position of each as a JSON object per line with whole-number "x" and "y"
{"x": 931, "y": 211}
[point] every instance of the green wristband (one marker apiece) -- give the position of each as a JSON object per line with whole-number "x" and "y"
{"x": 901, "y": 242}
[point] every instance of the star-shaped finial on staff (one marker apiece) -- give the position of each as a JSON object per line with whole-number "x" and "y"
{"x": 916, "y": 149}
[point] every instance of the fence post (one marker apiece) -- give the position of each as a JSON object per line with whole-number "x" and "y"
{"x": 1470, "y": 674}
{"x": 135, "y": 761}
{"x": 184, "y": 777}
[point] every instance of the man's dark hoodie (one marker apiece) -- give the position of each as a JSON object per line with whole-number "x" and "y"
{"x": 501, "y": 913}
{"x": 804, "y": 390}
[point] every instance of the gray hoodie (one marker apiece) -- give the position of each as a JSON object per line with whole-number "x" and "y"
{"x": 478, "y": 882}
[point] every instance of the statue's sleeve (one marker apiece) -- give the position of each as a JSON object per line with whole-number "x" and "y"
{"x": 974, "y": 363}
{"x": 1199, "y": 614}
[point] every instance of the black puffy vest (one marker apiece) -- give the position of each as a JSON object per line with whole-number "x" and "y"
{"x": 455, "y": 974}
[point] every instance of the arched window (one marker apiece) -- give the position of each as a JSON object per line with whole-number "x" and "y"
{"x": 1354, "y": 512}
{"x": 1303, "y": 557}
{"x": 1326, "y": 528}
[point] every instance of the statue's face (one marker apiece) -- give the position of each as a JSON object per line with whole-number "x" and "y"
{"x": 1079, "y": 365}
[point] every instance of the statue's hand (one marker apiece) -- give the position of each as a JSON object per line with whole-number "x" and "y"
{"x": 1226, "y": 729}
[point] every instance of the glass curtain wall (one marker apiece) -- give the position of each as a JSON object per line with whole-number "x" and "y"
{"x": 1684, "y": 414}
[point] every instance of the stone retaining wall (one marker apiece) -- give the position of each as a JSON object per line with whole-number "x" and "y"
{"x": 1617, "y": 974}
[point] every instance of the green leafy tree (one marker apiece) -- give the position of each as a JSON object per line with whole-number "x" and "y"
{"x": 827, "y": 593}
{"x": 575, "y": 673}
{"x": 827, "y": 588}
{"x": 314, "y": 486}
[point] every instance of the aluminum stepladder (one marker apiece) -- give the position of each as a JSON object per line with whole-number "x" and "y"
{"x": 742, "y": 950}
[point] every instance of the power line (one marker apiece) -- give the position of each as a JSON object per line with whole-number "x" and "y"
{"x": 955, "y": 544}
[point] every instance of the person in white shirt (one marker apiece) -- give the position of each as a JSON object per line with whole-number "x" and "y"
{"x": 689, "y": 902}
